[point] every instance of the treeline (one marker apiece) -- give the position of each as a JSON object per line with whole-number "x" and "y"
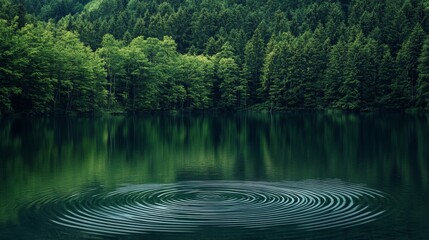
{"x": 45, "y": 68}
{"x": 134, "y": 55}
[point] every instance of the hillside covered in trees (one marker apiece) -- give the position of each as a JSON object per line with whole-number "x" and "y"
{"x": 81, "y": 56}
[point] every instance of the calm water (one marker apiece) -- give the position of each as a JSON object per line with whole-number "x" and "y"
{"x": 195, "y": 176}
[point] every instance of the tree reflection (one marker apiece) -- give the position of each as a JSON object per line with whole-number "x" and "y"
{"x": 61, "y": 154}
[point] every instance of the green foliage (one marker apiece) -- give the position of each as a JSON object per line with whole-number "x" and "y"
{"x": 50, "y": 70}
{"x": 351, "y": 77}
{"x": 253, "y": 62}
{"x": 349, "y": 89}
{"x": 8, "y": 74}
{"x": 404, "y": 86}
{"x": 275, "y": 69}
{"x": 149, "y": 74}
{"x": 35, "y": 63}
{"x": 386, "y": 74}
{"x": 137, "y": 55}
{"x": 423, "y": 80}
{"x": 334, "y": 76}
{"x": 293, "y": 70}
{"x": 195, "y": 82}
{"x": 233, "y": 88}
{"x": 114, "y": 62}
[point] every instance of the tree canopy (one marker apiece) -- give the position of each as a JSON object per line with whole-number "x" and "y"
{"x": 82, "y": 56}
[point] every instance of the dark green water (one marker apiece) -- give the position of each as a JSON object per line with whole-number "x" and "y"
{"x": 224, "y": 176}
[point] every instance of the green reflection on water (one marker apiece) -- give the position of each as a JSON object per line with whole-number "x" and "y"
{"x": 60, "y": 155}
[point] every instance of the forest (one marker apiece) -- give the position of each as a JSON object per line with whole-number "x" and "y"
{"x": 117, "y": 56}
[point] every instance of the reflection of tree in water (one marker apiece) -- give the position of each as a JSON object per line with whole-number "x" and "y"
{"x": 51, "y": 153}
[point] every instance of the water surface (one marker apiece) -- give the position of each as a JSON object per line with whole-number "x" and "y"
{"x": 212, "y": 176}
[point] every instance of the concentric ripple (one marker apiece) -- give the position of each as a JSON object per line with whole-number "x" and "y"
{"x": 189, "y": 206}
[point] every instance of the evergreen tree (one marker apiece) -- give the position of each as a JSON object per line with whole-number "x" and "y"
{"x": 315, "y": 48}
{"x": 238, "y": 40}
{"x": 368, "y": 67}
{"x": 334, "y": 76}
{"x": 386, "y": 73}
{"x": 393, "y": 29}
{"x": 253, "y": 62}
{"x": 227, "y": 51}
{"x": 423, "y": 80}
{"x": 139, "y": 28}
{"x": 211, "y": 47}
{"x": 359, "y": 75}
{"x": 275, "y": 70}
{"x": 404, "y": 86}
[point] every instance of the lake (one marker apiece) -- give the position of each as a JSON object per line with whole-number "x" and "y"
{"x": 215, "y": 176}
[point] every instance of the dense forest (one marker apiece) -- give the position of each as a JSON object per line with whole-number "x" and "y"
{"x": 81, "y": 56}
